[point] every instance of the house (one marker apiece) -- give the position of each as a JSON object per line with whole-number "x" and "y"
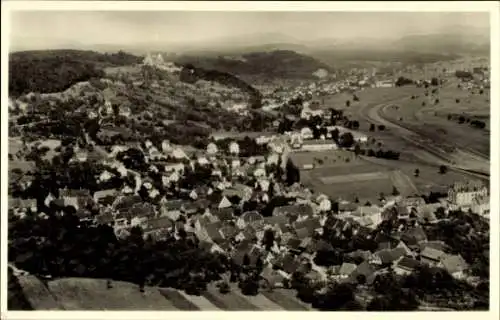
{"x": 240, "y": 190}
{"x": 172, "y": 209}
{"x": 318, "y": 145}
{"x": 293, "y": 245}
{"x": 23, "y": 204}
{"x": 414, "y": 236}
{"x": 297, "y": 211}
{"x": 347, "y": 207}
{"x": 411, "y": 202}
{"x": 311, "y": 225}
{"x": 431, "y": 256}
{"x": 306, "y": 133}
{"x": 365, "y": 270}
{"x": 78, "y": 199}
{"x": 224, "y": 214}
{"x": 288, "y": 263}
{"x": 346, "y": 269}
{"x": 245, "y": 249}
{"x": 224, "y": 203}
{"x": 105, "y": 218}
{"x": 481, "y": 206}
{"x": 435, "y": 244}
{"x": 454, "y": 264}
{"x": 426, "y": 212}
{"x": 388, "y": 256}
{"x": 250, "y": 218}
{"x": 158, "y": 228}
{"x": 406, "y": 266}
{"x": 302, "y": 233}
{"x": 311, "y": 111}
{"x": 105, "y": 197}
{"x": 123, "y": 202}
{"x": 228, "y": 231}
{"x": 384, "y": 84}
{"x": 209, "y": 231}
{"x": 273, "y": 278}
{"x": 277, "y": 222}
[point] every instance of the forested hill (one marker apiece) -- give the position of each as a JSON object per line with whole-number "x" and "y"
{"x": 271, "y": 64}
{"x": 48, "y": 71}
{"x": 192, "y": 74}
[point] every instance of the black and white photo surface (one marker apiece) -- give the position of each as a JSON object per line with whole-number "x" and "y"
{"x": 222, "y": 160}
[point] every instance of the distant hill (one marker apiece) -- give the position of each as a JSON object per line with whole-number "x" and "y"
{"x": 272, "y": 64}
{"x": 453, "y": 42}
{"x": 48, "y": 71}
{"x": 191, "y": 74}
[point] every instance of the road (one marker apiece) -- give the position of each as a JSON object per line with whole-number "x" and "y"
{"x": 428, "y": 152}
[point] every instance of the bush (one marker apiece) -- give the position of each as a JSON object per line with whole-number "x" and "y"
{"x": 443, "y": 169}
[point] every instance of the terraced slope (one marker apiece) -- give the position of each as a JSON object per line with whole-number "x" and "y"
{"x": 93, "y": 294}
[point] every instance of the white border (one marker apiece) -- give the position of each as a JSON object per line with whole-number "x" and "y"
{"x": 422, "y": 6}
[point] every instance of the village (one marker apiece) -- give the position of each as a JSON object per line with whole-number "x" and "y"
{"x": 255, "y": 208}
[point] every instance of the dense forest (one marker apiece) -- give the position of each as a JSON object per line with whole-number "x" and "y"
{"x": 57, "y": 70}
{"x": 285, "y": 64}
{"x": 192, "y": 74}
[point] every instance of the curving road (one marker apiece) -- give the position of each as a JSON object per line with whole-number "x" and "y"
{"x": 428, "y": 151}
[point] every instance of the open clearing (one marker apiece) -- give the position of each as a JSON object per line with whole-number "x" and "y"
{"x": 360, "y": 178}
{"x": 432, "y": 119}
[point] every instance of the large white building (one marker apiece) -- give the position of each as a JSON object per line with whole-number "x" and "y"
{"x": 465, "y": 194}
{"x": 318, "y": 145}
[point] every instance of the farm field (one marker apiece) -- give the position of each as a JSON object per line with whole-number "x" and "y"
{"x": 429, "y": 178}
{"x": 92, "y": 294}
{"x": 359, "y": 178}
{"x": 432, "y": 119}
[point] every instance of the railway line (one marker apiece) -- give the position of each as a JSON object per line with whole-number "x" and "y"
{"x": 433, "y": 155}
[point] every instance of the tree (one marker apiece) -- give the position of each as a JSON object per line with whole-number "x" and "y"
{"x": 443, "y": 169}
{"x": 224, "y": 288}
{"x": 335, "y": 135}
{"x": 381, "y": 127}
{"x": 357, "y": 149}
{"x": 292, "y": 173}
{"x": 346, "y": 140}
{"x": 348, "y": 103}
{"x": 246, "y": 260}
{"x": 417, "y": 172}
{"x": 268, "y": 239}
{"x": 395, "y": 191}
{"x": 249, "y": 286}
{"x": 372, "y": 127}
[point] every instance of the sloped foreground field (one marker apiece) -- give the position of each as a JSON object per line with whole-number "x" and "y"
{"x": 93, "y": 294}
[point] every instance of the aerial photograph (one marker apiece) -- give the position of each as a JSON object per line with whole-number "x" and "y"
{"x": 248, "y": 161}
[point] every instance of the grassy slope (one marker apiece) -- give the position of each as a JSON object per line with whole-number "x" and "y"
{"x": 92, "y": 294}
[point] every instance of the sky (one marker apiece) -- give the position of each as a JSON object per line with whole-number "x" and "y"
{"x": 39, "y": 29}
